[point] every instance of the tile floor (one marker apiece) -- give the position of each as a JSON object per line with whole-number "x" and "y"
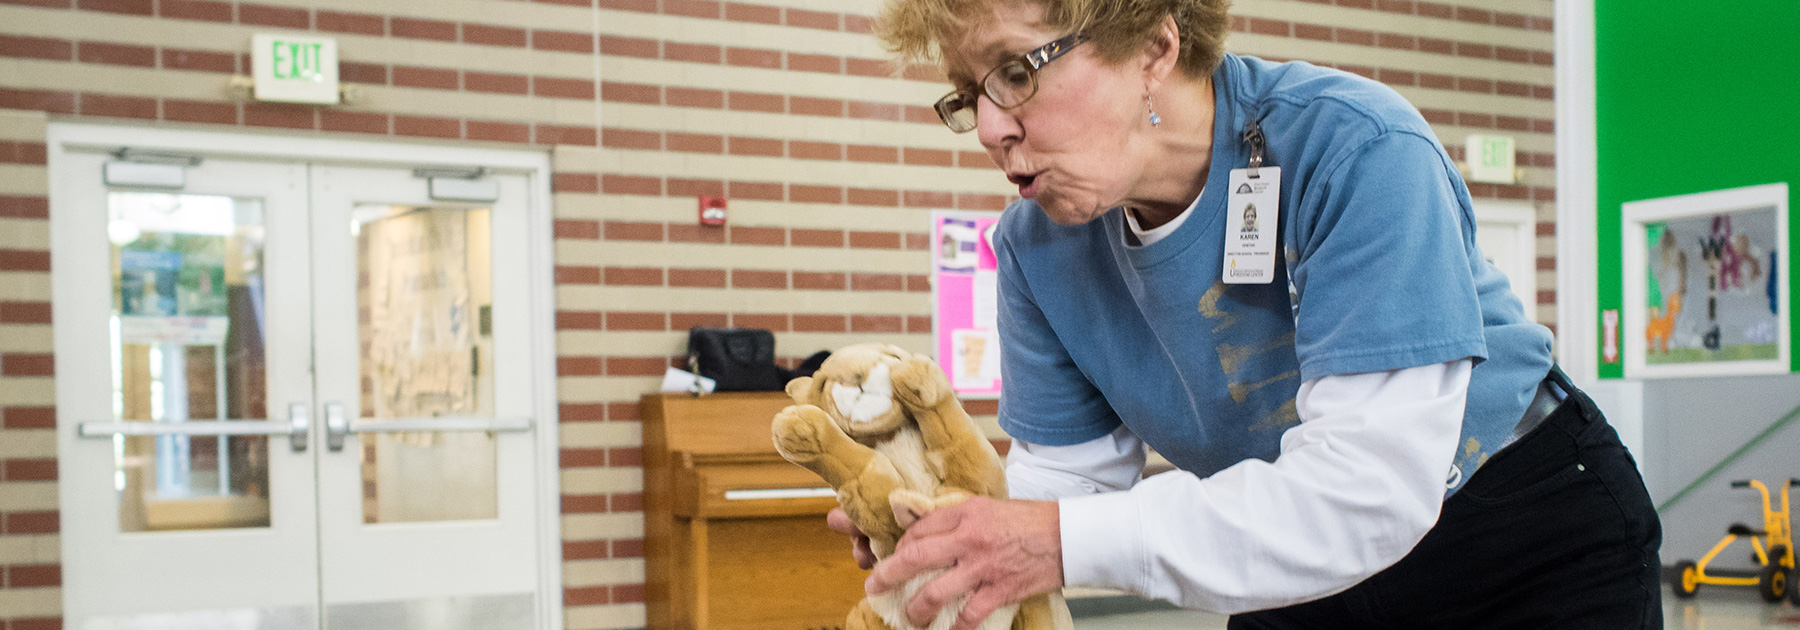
{"x": 1712, "y": 609}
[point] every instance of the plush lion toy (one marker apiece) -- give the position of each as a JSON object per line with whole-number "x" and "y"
{"x": 881, "y": 426}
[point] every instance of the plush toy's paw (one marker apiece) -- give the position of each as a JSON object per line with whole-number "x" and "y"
{"x": 912, "y": 505}
{"x": 919, "y": 383}
{"x": 801, "y": 432}
{"x": 864, "y": 618}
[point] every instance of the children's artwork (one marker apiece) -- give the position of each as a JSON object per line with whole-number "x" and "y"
{"x": 975, "y": 358}
{"x": 958, "y": 242}
{"x": 965, "y": 301}
{"x": 1705, "y": 293}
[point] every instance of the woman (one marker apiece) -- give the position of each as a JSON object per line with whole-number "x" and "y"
{"x": 1368, "y": 428}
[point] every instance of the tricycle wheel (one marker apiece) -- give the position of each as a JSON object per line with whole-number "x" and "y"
{"x": 1794, "y": 587}
{"x": 1773, "y": 583}
{"x": 1686, "y": 579}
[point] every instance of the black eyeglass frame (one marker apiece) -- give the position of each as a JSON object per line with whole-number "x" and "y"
{"x": 959, "y": 100}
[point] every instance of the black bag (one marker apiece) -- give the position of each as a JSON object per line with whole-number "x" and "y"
{"x": 808, "y": 366}
{"x": 740, "y": 359}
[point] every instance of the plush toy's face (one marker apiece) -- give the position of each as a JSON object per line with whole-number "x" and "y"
{"x": 855, "y": 387}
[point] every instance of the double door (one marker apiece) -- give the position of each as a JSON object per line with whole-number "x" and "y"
{"x": 293, "y": 394}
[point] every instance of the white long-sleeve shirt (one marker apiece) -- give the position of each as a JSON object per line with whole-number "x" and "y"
{"x": 1357, "y": 484}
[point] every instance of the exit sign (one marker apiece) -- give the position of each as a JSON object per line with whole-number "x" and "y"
{"x": 295, "y": 68}
{"x": 1492, "y": 159}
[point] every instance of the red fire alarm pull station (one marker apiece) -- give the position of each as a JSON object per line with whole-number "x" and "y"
{"x": 712, "y": 210}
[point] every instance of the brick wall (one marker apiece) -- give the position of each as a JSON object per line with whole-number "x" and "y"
{"x": 784, "y": 106}
{"x": 30, "y": 551}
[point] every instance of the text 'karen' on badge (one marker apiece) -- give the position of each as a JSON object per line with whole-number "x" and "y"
{"x": 1252, "y": 214}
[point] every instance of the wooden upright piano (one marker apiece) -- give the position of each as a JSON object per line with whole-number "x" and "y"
{"x": 734, "y": 535}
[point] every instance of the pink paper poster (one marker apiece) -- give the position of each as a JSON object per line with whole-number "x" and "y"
{"x": 965, "y": 301}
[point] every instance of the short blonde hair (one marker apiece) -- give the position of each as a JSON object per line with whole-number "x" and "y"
{"x": 917, "y": 30}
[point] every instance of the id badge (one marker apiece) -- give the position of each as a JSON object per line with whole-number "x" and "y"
{"x": 1252, "y": 213}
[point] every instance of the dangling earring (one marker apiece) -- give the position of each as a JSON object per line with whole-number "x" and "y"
{"x": 1154, "y": 119}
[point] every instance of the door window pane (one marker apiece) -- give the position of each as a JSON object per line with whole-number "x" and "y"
{"x": 423, "y": 299}
{"x": 187, "y": 340}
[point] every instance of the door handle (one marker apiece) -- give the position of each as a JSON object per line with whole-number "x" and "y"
{"x": 297, "y": 427}
{"x": 335, "y": 427}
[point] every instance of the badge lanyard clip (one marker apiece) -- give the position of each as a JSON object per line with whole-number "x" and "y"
{"x": 1253, "y": 135}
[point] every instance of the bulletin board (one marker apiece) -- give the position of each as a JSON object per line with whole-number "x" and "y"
{"x": 965, "y": 301}
{"x": 1669, "y": 122}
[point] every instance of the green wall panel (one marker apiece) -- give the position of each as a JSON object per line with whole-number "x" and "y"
{"x": 1691, "y": 97}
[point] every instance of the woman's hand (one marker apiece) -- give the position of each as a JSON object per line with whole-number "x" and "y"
{"x": 859, "y": 544}
{"x": 997, "y": 553}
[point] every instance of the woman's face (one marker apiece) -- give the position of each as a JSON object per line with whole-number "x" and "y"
{"x": 1071, "y": 147}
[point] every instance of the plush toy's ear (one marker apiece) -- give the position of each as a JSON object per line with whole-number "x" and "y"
{"x": 800, "y": 389}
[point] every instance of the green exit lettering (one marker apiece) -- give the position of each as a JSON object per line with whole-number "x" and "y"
{"x": 1493, "y": 151}
{"x": 297, "y": 60}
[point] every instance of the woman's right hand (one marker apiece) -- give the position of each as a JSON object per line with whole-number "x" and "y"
{"x": 859, "y": 544}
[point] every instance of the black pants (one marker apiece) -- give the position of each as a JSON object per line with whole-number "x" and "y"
{"x": 1556, "y": 531}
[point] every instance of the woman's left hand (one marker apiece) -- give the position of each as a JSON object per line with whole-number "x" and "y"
{"x": 997, "y": 553}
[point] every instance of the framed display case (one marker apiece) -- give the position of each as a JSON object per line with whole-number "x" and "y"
{"x": 1705, "y": 289}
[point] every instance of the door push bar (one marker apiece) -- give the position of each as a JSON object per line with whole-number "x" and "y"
{"x": 298, "y": 427}
{"x": 337, "y": 425}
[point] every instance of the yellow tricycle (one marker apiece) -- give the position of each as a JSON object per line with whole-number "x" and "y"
{"x": 1774, "y": 547}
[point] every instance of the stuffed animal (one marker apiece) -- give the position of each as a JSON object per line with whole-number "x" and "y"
{"x": 881, "y": 425}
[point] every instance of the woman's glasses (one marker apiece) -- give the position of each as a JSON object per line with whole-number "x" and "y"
{"x": 1008, "y": 85}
